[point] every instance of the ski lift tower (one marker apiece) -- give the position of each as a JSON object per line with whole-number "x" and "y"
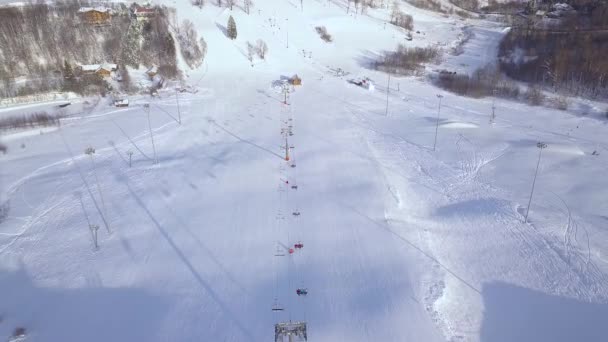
{"x": 290, "y": 330}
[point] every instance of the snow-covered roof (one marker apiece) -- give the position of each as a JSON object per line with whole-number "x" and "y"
{"x": 97, "y": 9}
{"x": 109, "y": 66}
{"x": 90, "y": 67}
{"x": 562, "y": 7}
{"x": 97, "y": 67}
{"x": 143, "y": 10}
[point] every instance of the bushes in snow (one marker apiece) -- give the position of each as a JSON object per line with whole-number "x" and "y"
{"x": 260, "y": 49}
{"x": 534, "y": 96}
{"x": 401, "y": 19}
{"x": 189, "y": 46}
{"x": 29, "y": 121}
{"x": 406, "y": 60}
{"x": 485, "y": 81}
{"x": 471, "y": 5}
{"x": 322, "y": 31}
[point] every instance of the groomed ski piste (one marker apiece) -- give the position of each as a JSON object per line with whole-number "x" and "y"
{"x": 397, "y": 240}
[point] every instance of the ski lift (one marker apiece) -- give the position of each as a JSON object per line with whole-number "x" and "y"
{"x": 279, "y": 252}
{"x": 302, "y": 292}
{"x": 276, "y": 306}
{"x": 296, "y": 213}
{"x": 295, "y": 187}
{"x": 291, "y": 250}
{"x": 298, "y": 245}
{"x": 293, "y": 165}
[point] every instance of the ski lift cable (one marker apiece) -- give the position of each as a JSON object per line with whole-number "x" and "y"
{"x": 301, "y": 307}
{"x": 280, "y": 230}
{"x": 284, "y": 203}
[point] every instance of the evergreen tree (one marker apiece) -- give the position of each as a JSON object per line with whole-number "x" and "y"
{"x": 68, "y": 73}
{"x": 231, "y": 28}
{"x": 131, "y": 47}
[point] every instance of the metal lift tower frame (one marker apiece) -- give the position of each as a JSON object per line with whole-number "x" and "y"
{"x": 290, "y": 330}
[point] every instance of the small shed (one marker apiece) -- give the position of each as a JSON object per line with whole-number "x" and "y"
{"x": 295, "y": 80}
{"x": 121, "y": 102}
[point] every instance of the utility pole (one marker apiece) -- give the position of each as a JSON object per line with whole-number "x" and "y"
{"x": 94, "y": 228}
{"x": 90, "y": 151}
{"x": 286, "y": 150}
{"x": 285, "y": 93}
{"x": 287, "y": 30}
{"x": 130, "y": 154}
{"x": 439, "y": 96}
{"x": 541, "y": 146}
{"x": 493, "y": 117}
{"x": 147, "y": 107}
{"x": 388, "y": 89}
{"x": 179, "y": 115}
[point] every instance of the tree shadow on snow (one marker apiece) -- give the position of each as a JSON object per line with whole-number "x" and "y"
{"x": 477, "y": 207}
{"x": 368, "y": 59}
{"x": 78, "y": 314}
{"x": 222, "y": 28}
{"x": 514, "y": 313}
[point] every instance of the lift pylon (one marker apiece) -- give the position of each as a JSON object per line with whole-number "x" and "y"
{"x": 294, "y": 331}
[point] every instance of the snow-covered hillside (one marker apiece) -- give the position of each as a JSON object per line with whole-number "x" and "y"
{"x": 401, "y": 242}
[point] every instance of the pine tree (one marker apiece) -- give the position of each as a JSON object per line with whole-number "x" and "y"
{"x": 131, "y": 47}
{"x": 68, "y": 73}
{"x": 231, "y": 31}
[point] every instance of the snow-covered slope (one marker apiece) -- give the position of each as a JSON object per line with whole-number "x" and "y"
{"x": 401, "y": 243}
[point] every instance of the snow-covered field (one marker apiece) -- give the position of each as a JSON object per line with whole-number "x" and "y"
{"x": 401, "y": 243}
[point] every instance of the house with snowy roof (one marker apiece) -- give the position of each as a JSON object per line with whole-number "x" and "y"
{"x": 103, "y": 70}
{"x": 142, "y": 13}
{"x": 95, "y": 15}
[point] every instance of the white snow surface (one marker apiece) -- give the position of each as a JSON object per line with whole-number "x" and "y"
{"x": 401, "y": 243}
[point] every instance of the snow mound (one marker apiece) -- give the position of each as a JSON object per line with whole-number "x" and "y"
{"x": 565, "y": 149}
{"x": 458, "y": 124}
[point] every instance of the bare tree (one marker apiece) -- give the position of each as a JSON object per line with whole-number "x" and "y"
{"x": 247, "y": 4}
{"x": 250, "y": 52}
{"x": 198, "y": 3}
{"x": 262, "y": 49}
{"x": 230, "y": 3}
